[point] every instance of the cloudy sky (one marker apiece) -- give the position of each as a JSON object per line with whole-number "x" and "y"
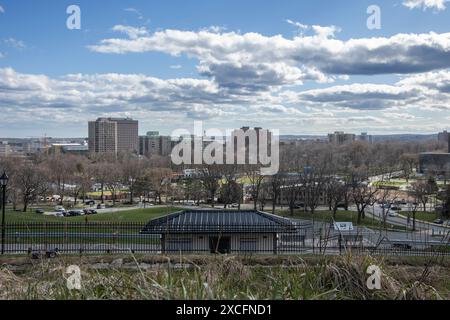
{"x": 303, "y": 67}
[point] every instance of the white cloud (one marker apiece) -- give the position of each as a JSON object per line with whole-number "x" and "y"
{"x": 297, "y": 24}
{"x": 2, "y": 10}
{"x": 438, "y": 5}
{"x": 132, "y": 32}
{"x": 79, "y": 97}
{"x": 136, "y": 12}
{"x": 176, "y": 66}
{"x": 326, "y": 32}
{"x": 252, "y": 61}
{"x": 14, "y": 43}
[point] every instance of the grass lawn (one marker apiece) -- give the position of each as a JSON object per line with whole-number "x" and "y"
{"x": 135, "y": 215}
{"x": 421, "y": 215}
{"x": 341, "y": 216}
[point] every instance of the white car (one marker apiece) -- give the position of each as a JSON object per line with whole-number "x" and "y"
{"x": 393, "y": 214}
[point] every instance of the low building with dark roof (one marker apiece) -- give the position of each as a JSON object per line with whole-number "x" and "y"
{"x": 434, "y": 163}
{"x": 215, "y": 231}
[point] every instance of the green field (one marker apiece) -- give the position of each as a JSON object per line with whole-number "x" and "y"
{"x": 421, "y": 215}
{"x": 135, "y": 215}
{"x": 341, "y": 216}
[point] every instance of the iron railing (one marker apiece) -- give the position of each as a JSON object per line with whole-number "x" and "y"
{"x": 301, "y": 238}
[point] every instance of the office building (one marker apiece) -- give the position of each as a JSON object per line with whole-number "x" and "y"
{"x": 5, "y": 149}
{"x": 364, "y": 137}
{"x": 155, "y": 144}
{"x": 341, "y": 138}
{"x": 113, "y": 135}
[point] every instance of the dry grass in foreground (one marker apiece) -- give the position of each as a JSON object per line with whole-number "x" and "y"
{"x": 297, "y": 278}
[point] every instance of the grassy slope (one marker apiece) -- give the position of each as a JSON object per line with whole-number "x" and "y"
{"x": 341, "y": 216}
{"x": 420, "y": 215}
{"x": 136, "y": 215}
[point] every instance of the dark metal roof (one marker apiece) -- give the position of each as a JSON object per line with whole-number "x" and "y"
{"x": 214, "y": 221}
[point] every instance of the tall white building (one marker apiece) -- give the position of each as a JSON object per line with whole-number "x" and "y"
{"x": 5, "y": 149}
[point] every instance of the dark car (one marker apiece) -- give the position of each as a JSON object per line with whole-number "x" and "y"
{"x": 90, "y": 202}
{"x": 396, "y": 209}
{"x": 40, "y": 211}
{"x": 74, "y": 213}
{"x": 438, "y": 221}
{"x": 300, "y": 205}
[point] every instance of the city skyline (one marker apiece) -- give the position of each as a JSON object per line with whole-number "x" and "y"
{"x": 303, "y": 68}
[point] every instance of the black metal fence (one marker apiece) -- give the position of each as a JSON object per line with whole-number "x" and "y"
{"x": 121, "y": 237}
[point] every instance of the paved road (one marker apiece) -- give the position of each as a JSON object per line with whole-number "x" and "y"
{"x": 377, "y": 213}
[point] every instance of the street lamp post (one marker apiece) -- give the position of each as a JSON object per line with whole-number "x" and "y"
{"x": 3, "y": 183}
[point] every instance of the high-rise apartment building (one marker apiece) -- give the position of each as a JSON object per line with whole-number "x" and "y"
{"x": 113, "y": 135}
{"x": 5, "y": 148}
{"x": 340, "y": 138}
{"x": 364, "y": 137}
{"x": 154, "y": 144}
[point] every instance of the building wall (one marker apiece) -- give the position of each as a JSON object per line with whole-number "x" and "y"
{"x": 434, "y": 163}
{"x": 240, "y": 243}
{"x": 340, "y": 138}
{"x": 103, "y": 136}
{"x": 127, "y": 135}
{"x": 113, "y": 135}
{"x": 155, "y": 145}
{"x": 5, "y": 149}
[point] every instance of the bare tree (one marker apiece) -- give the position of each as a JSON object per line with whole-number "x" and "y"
{"x": 31, "y": 182}
{"x": 363, "y": 194}
{"x": 422, "y": 190}
{"x": 210, "y": 175}
{"x": 113, "y": 180}
{"x": 255, "y": 180}
{"x": 276, "y": 182}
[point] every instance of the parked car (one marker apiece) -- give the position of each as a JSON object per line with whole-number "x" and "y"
{"x": 396, "y": 209}
{"x": 59, "y": 215}
{"x": 392, "y": 214}
{"x": 101, "y": 206}
{"x": 90, "y": 202}
{"x": 300, "y": 205}
{"x": 89, "y": 211}
{"x": 341, "y": 205}
{"x": 60, "y": 209}
{"x": 75, "y": 213}
{"x": 438, "y": 221}
{"x": 40, "y": 211}
{"x": 235, "y": 205}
